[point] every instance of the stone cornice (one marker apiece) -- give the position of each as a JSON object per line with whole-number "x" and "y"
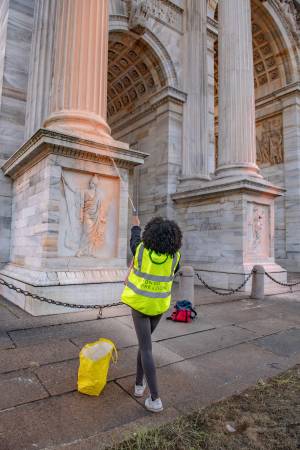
{"x": 46, "y": 142}
{"x": 220, "y": 187}
{"x": 280, "y": 94}
{"x": 166, "y": 95}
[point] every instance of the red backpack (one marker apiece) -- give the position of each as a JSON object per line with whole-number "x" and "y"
{"x": 183, "y": 312}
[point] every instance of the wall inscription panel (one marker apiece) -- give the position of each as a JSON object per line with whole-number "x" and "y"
{"x": 89, "y": 213}
{"x": 269, "y": 142}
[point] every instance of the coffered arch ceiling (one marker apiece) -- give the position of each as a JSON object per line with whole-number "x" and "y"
{"x": 134, "y": 73}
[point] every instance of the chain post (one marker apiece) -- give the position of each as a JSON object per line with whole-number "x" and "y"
{"x": 258, "y": 283}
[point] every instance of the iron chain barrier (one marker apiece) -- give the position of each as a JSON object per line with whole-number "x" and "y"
{"x": 231, "y": 291}
{"x": 281, "y": 283}
{"x": 56, "y": 302}
{"x": 109, "y": 305}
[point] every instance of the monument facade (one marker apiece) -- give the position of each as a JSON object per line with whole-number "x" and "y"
{"x": 197, "y": 103}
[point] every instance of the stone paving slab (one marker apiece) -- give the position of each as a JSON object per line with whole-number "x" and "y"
{"x": 262, "y": 327}
{"x": 244, "y": 363}
{"x": 78, "y": 332}
{"x": 207, "y": 378}
{"x": 35, "y": 355}
{"x": 18, "y": 389}
{"x": 168, "y": 329}
{"x": 236, "y": 312}
{"x": 101, "y": 441}
{"x": 286, "y": 343}
{"x": 207, "y": 341}
{"x": 62, "y": 377}
{"x": 14, "y": 318}
{"x": 5, "y": 341}
{"x": 66, "y": 418}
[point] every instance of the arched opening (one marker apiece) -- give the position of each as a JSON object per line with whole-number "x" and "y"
{"x": 141, "y": 101}
{"x": 134, "y": 74}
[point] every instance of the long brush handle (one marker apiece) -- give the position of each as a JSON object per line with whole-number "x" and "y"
{"x": 135, "y": 213}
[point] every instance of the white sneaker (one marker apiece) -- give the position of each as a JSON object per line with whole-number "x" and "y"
{"x": 139, "y": 390}
{"x": 154, "y": 405}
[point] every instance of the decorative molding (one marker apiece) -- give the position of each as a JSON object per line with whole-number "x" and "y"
{"x": 164, "y": 11}
{"x": 46, "y": 142}
{"x": 291, "y": 11}
{"x": 138, "y": 15}
{"x": 165, "y": 96}
{"x": 223, "y": 187}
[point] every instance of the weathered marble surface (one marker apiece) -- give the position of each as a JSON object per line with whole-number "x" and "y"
{"x": 15, "y": 49}
{"x": 69, "y": 220}
{"x": 228, "y": 227}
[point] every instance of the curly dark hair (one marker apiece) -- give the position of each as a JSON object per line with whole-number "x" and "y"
{"x": 163, "y": 236}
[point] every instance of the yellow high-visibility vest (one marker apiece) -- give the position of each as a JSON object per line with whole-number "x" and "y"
{"x": 149, "y": 285}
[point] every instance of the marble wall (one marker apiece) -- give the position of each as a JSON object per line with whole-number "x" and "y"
{"x": 13, "y": 101}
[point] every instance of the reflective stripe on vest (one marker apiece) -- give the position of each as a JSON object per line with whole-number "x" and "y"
{"x": 147, "y": 293}
{"x": 152, "y": 277}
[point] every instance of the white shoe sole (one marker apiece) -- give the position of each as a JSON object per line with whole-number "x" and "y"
{"x": 139, "y": 395}
{"x": 154, "y": 410}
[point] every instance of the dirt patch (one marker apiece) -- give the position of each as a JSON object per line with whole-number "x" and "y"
{"x": 265, "y": 417}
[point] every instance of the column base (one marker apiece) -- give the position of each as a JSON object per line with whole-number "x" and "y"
{"x": 84, "y": 125}
{"x": 234, "y": 170}
{"x": 192, "y": 181}
{"x": 99, "y": 287}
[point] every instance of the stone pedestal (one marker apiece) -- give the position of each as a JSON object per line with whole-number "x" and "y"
{"x": 228, "y": 228}
{"x": 69, "y": 220}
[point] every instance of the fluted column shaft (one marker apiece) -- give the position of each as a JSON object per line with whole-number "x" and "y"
{"x": 195, "y": 126}
{"x": 237, "y": 143}
{"x": 69, "y": 78}
{"x": 41, "y": 65}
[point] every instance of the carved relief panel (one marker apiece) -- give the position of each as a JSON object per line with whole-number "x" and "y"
{"x": 258, "y": 231}
{"x": 89, "y": 213}
{"x": 269, "y": 142}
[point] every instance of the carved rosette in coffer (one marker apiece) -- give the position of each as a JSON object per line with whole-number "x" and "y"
{"x": 89, "y": 215}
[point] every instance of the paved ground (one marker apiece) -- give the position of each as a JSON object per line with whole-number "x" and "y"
{"x": 233, "y": 343}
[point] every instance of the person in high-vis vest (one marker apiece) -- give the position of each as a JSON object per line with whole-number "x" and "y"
{"x": 148, "y": 292}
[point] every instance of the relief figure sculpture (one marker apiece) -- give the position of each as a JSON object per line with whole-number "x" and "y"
{"x": 86, "y": 208}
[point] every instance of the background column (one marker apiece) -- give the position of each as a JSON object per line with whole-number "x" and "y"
{"x": 237, "y": 144}
{"x": 41, "y": 66}
{"x": 195, "y": 124}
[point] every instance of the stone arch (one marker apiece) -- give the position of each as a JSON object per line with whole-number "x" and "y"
{"x": 120, "y": 24}
{"x": 134, "y": 74}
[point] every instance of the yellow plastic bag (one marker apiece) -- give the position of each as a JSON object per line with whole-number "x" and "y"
{"x": 94, "y": 364}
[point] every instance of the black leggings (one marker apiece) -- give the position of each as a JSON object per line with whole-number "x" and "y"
{"x": 144, "y": 327}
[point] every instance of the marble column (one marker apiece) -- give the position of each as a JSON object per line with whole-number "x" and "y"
{"x": 195, "y": 163}
{"x": 70, "y": 63}
{"x": 41, "y": 66}
{"x": 212, "y": 36}
{"x": 237, "y": 143}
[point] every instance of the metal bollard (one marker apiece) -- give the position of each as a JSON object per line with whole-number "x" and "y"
{"x": 186, "y": 283}
{"x": 258, "y": 283}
